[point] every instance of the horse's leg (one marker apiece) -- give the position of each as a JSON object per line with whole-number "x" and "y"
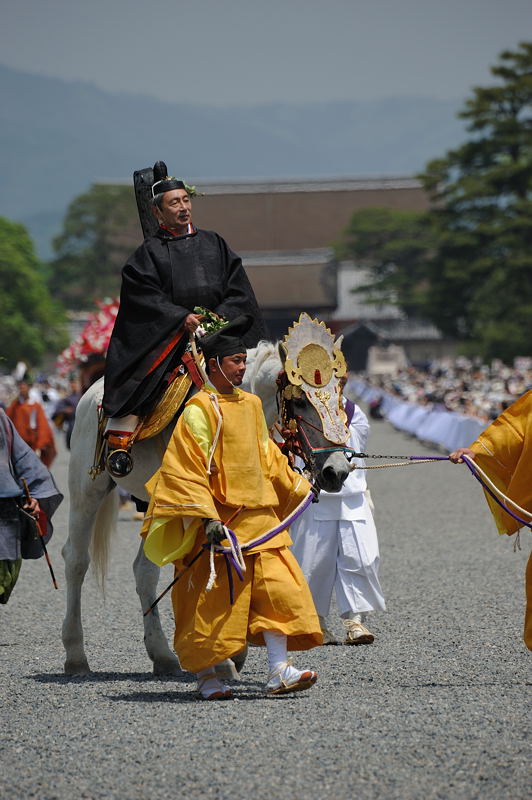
{"x": 146, "y": 577}
{"x": 164, "y": 661}
{"x": 93, "y": 504}
{"x": 76, "y": 556}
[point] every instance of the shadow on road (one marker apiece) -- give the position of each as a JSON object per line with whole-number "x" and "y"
{"x": 106, "y": 677}
{"x": 192, "y": 697}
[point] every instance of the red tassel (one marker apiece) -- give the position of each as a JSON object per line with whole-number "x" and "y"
{"x": 317, "y": 377}
{"x": 190, "y": 364}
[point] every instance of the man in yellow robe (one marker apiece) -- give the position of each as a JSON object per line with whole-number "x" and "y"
{"x": 222, "y": 467}
{"x": 504, "y": 452}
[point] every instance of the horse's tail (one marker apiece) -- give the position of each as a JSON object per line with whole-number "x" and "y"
{"x": 104, "y": 526}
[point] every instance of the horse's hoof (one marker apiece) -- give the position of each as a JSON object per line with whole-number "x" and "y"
{"x": 240, "y": 659}
{"x": 169, "y": 666}
{"x": 79, "y": 668}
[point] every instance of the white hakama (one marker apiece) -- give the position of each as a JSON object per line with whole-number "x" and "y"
{"x": 335, "y": 541}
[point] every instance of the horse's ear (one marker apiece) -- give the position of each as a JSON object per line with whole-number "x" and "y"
{"x": 282, "y": 353}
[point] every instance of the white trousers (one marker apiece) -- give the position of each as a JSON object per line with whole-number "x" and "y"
{"x": 340, "y": 554}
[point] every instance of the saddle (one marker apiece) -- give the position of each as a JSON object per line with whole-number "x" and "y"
{"x": 164, "y": 412}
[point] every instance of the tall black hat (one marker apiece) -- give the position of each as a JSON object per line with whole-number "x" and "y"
{"x": 228, "y": 340}
{"x": 149, "y": 182}
{"x": 162, "y": 182}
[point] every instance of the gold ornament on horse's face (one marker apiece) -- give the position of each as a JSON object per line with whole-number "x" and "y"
{"x": 315, "y": 362}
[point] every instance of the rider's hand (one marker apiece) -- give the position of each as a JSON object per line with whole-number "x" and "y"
{"x": 214, "y": 531}
{"x": 456, "y": 455}
{"x": 192, "y": 321}
{"x": 32, "y": 507}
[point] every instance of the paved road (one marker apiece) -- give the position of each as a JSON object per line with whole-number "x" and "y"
{"x": 438, "y": 707}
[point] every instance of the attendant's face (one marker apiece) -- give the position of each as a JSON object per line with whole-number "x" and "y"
{"x": 234, "y": 368}
{"x": 176, "y": 210}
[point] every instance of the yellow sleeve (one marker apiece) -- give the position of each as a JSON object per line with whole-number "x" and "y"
{"x": 167, "y": 540}
{"x": 180, "y": 496}
{"x": 198, "y": 424}
{"x": 291, "y": 487}
{"x": 504, "y": 451}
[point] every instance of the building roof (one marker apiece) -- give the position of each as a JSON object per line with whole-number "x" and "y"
{"x": 289, "y": 214}
{"x": 216, "y": 186}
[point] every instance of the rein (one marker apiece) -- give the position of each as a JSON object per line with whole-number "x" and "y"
{"x": 297, "y": 441}
{"x": 233, "y": 554}
{"x": 493, "y": 491}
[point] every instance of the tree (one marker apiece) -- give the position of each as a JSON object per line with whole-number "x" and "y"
{"x": 91, "y": 249}
{"x": 466, "y": 265}
{"x": 394, "y": 246}
{"x": 480, "y": 275}
{"x": 31, "y": 323}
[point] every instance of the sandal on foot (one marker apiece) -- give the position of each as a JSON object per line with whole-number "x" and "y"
{"x": 286, "y": 678}
{"x": 210, "y": 688}
{"x": 356, "y": 632}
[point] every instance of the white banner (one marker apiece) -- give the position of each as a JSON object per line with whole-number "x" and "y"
{"x": 447, "y": 429}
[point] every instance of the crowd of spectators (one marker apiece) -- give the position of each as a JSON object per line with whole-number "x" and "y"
{"x": 460, "y": 384}
{"x": 58, "y": 397}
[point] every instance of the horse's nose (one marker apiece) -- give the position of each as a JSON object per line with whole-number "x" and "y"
{"x": 333, "y": 478}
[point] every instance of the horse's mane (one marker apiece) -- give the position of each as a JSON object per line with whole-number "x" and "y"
{"x": 265, "y": 360}
{"x": 264, "y": 364}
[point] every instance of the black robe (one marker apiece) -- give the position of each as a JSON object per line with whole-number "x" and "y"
{"x": 162, "y": 282}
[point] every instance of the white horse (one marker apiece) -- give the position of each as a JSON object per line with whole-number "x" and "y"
{"x": 94, "y": 509}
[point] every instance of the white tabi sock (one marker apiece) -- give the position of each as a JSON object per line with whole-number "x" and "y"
{"x": 356, "y": 616}
{"x": 276, "y": 647}
{"x": 209, "y": 683}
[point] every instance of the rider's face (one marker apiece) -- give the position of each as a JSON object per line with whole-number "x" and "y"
{"x": 176, "y": 210}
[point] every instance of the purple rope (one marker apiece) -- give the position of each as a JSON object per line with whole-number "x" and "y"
{"x": 492, "y": 494}
{"x": 473, "y": 471}
{"x": 230, "y": 578}
{"x": 228, "y": 555}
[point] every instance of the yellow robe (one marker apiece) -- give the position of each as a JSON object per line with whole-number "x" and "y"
{"x": 221, "y": 464}
{"x": 504, "y": 452}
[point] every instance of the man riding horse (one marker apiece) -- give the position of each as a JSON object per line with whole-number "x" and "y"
{"x": 177, "y": 268}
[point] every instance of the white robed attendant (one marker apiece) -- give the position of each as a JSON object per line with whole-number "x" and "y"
{"x": 336, "y": 545}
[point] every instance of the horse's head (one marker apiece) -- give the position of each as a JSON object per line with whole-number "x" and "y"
{"x": 311, "y": 403}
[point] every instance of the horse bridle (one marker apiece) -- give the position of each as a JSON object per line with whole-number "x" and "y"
{"x": 295, "y": 438}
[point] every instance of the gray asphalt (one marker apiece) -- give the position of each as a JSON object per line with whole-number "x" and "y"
{"x": 437, "y": 707}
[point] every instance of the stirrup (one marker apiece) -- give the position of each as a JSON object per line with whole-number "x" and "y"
{"x": 118, "y": 460}
{"x": 119, "y": 463}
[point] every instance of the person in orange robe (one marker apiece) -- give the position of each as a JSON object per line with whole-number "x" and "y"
{"x": 29, "y": 419}
{"x": 504, "y": 452}
{"x": 221, "y": 466}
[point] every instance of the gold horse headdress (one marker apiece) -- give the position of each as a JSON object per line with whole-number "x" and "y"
{"x": 315, "y": 362}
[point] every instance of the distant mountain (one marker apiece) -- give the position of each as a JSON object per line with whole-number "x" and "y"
{"x": 57, "y": 137}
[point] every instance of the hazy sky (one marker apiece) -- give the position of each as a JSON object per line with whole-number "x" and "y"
{"x": 239, "y": 52}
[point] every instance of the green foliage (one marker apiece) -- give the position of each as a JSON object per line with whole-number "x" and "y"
{"x": 31, "y": 323}
{"x": 394, "y": 245}
{"x": 467, "y": 264}
{"x": 480, "y": 276}
{"x": 92, "y": 248}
